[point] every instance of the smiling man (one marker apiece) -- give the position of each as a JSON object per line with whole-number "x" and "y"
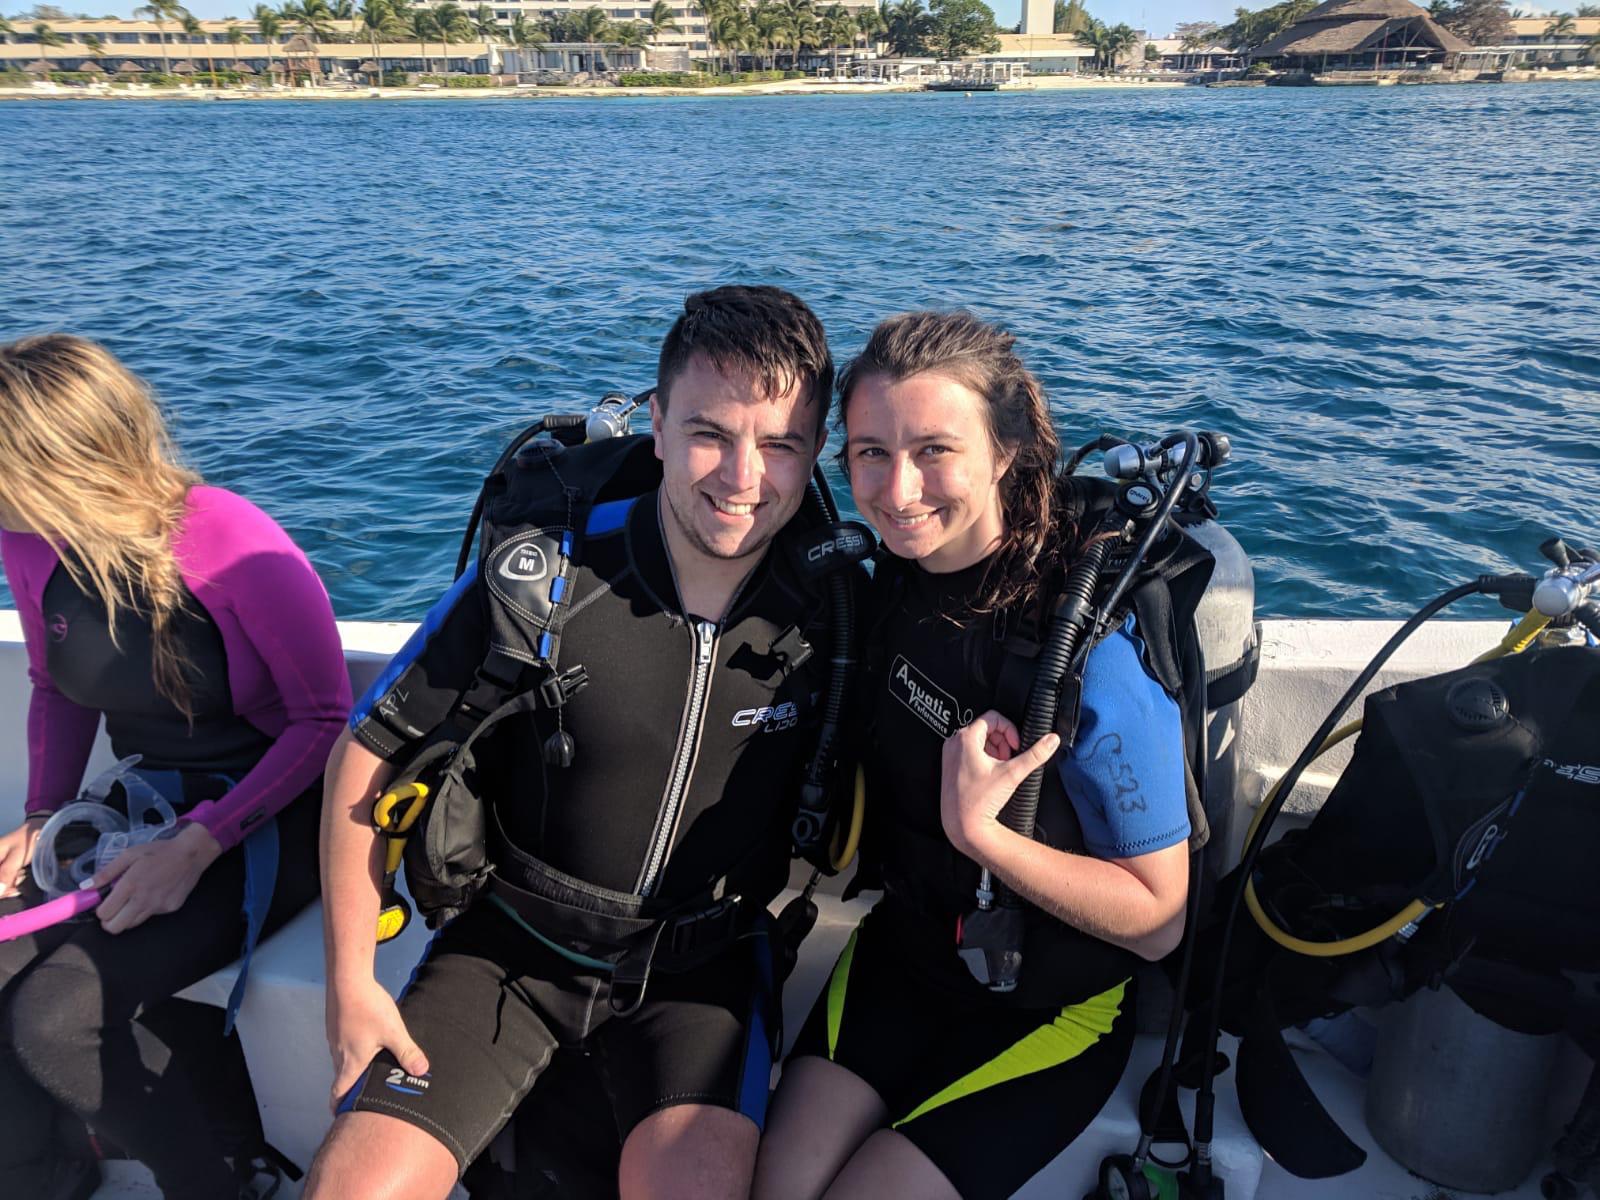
{"x": 697, "y": 638}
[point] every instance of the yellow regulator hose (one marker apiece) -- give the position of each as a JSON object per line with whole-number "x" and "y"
{"x": 842, "y": 856}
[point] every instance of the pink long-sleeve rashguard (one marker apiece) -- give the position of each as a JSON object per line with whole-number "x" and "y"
{"x": 285, "y": 667}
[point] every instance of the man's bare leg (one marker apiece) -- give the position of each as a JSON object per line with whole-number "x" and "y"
{"x": 372, "y": 1156}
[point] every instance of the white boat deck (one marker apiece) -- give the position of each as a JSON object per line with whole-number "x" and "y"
{"x": 1304, "y": 666}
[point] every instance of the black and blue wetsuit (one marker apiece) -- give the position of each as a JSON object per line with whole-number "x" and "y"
{"x": 990, "y": 1087}
{"x": 691, "y": 737}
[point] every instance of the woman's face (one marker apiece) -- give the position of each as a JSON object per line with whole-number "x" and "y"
{"x": 923, "y": 469}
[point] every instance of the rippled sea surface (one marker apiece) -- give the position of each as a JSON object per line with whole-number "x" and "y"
{"x": 1389, "y": 298}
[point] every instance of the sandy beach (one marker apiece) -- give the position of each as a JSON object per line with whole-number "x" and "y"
{"x": 789, "y": 87}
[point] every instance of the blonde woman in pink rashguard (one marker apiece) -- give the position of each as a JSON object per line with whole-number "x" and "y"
{"x": 184, "y": 617}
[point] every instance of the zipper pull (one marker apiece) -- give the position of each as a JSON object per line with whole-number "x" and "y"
{"x": 708, "y": 639}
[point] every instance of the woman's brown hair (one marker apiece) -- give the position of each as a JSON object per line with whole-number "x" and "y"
{"x": 958, "y": 346}
{"x": 85, "y": 461}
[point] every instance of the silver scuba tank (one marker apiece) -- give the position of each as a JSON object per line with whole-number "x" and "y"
{"x": 1230, "y": 642}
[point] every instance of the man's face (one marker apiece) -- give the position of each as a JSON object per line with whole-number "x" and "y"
{"x": 735, "y": 460}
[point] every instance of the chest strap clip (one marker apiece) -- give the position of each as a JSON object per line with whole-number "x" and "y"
{"x": 556, "y": 690}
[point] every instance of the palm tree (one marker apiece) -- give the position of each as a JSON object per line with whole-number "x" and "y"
{"x": 190, "y": 24}
{"x": 46, "y": 37}
{"x": 1097, "y": 37}
{"x": 800, "y": 20}
{"x": 660, "y": 19}
{"x": 6, "y": 26}
{"x": 269, "y": 23}
{"x": 422, "y": 26}
{"x": 527, "y": 35}
{"x": 838, "y": 29}
{"x": 236, "y": 38}
{"x": 344, "y": 10}
{"x": 161, "y": 11}
{"x": 314, "y": 18}
{"x": 766, "y": 28}
{"x": 905, "y": 24}
{"x": 870, "y": 22}
{"x": 1123, "y": 39}
{"x": 377, "y": 20}
{"x": 450, "y": 25}
{"x": 711, "y": 12}
{"x": 1561, "y": 26}
{"x": 487, "y": 26}
{"x": 592, "y": 26}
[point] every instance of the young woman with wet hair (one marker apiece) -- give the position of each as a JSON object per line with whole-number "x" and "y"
{"x": 910, "y": 1078}
{"x": 186, "y": 618}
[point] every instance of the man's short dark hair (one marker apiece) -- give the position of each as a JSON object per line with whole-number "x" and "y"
{"x": 764, "y": 332}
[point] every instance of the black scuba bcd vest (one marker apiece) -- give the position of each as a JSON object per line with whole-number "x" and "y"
{"x": 968, "y": 664}
{"x": 571, "y": 554}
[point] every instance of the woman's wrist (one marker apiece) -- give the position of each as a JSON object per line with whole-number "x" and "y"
{"x": 984, "y": 843}
{"x": 198, "y": 840}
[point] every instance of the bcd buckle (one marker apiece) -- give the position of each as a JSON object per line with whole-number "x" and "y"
{"x": 558, "y": 689}
{"x": 710, "y": 926}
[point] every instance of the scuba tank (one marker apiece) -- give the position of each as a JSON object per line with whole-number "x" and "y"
{"x": 1230, "y": 647}
{"x": 1143, "y": 556}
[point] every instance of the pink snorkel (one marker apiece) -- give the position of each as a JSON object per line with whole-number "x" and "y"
{"x": 51, "y": 912}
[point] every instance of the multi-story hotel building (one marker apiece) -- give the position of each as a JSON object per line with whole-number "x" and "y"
{"x": 109, "y": 43}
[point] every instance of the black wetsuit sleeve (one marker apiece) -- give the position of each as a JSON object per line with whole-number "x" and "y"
{"x": 423, "y": 682}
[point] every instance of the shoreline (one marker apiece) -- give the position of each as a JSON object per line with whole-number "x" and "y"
{"x": 790, "y": 87}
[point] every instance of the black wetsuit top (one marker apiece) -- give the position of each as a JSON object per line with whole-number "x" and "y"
{"x": 89, "y": 669}
{"x": 1117, "y": 793}
{"x": 691, "y": 737}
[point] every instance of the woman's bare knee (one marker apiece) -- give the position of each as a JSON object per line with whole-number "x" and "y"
{"x": 889, "y": 1164}
{"x": 820, "y": 1116}
{"x": 370, "y": 1156}
{"x": 695, "y": 1151}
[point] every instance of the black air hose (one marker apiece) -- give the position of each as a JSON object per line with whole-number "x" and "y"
{"x": 812, "y": 818}
{"x": 1066, "y": 630}
{"x": 549, "y": 424}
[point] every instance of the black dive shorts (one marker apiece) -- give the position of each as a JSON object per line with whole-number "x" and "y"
{"x": 489, "y": 1005}
{"x": 988, "y": 1091}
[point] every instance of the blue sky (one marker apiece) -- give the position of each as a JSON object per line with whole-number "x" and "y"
{"x": 1156, "y": 17}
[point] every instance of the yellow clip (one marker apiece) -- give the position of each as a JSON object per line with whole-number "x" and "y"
{"x": 394, "y": 822}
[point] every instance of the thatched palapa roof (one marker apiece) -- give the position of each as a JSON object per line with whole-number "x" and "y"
{"x": 299, "y": 44}
{"x": 183, "y": 68}
{"x": 129, "y": 67}
{"x": 244, "y": 68}
{"x": 1357, "y": 26}
{"x": 367, "y": 68}
{"x": 92, "y": 68}
{"x": 39, "y": 67}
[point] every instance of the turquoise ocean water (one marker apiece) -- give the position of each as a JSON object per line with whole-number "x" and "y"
{"x": 1389, "y": 298}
